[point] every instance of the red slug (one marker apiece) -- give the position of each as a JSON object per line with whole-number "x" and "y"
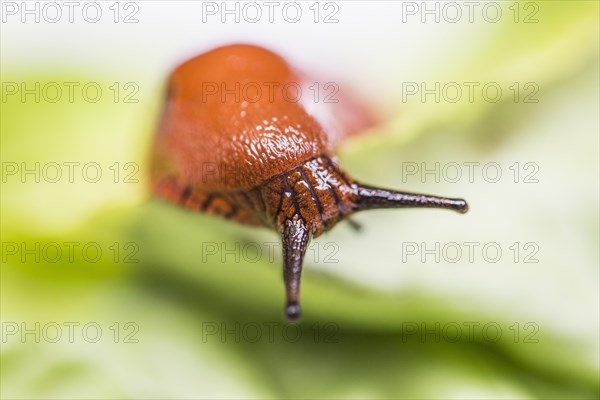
{"x": 232, "y": 142}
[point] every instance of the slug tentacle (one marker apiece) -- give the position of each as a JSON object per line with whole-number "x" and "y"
{"x": 295, "y": 237}
{"x": 371, "y": 198}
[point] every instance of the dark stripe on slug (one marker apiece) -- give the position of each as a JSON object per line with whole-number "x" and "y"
{"x": 312, "y": 193}
{"x": 185, "y": 195}
{"x": 281, "y": 196}
{"x": 337, "y": 202}
{"x": 233, "y": 211}
{"x": 206, "y": 203}
{"x": 294, "y": 197}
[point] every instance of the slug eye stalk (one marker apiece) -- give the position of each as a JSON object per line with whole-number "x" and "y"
{"x": 371, "y": 198}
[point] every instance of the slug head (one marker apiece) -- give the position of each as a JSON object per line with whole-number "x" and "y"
{"x": 310, "y": 199}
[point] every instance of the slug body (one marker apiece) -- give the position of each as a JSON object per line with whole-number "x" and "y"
{"x": 233, "y": 142}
